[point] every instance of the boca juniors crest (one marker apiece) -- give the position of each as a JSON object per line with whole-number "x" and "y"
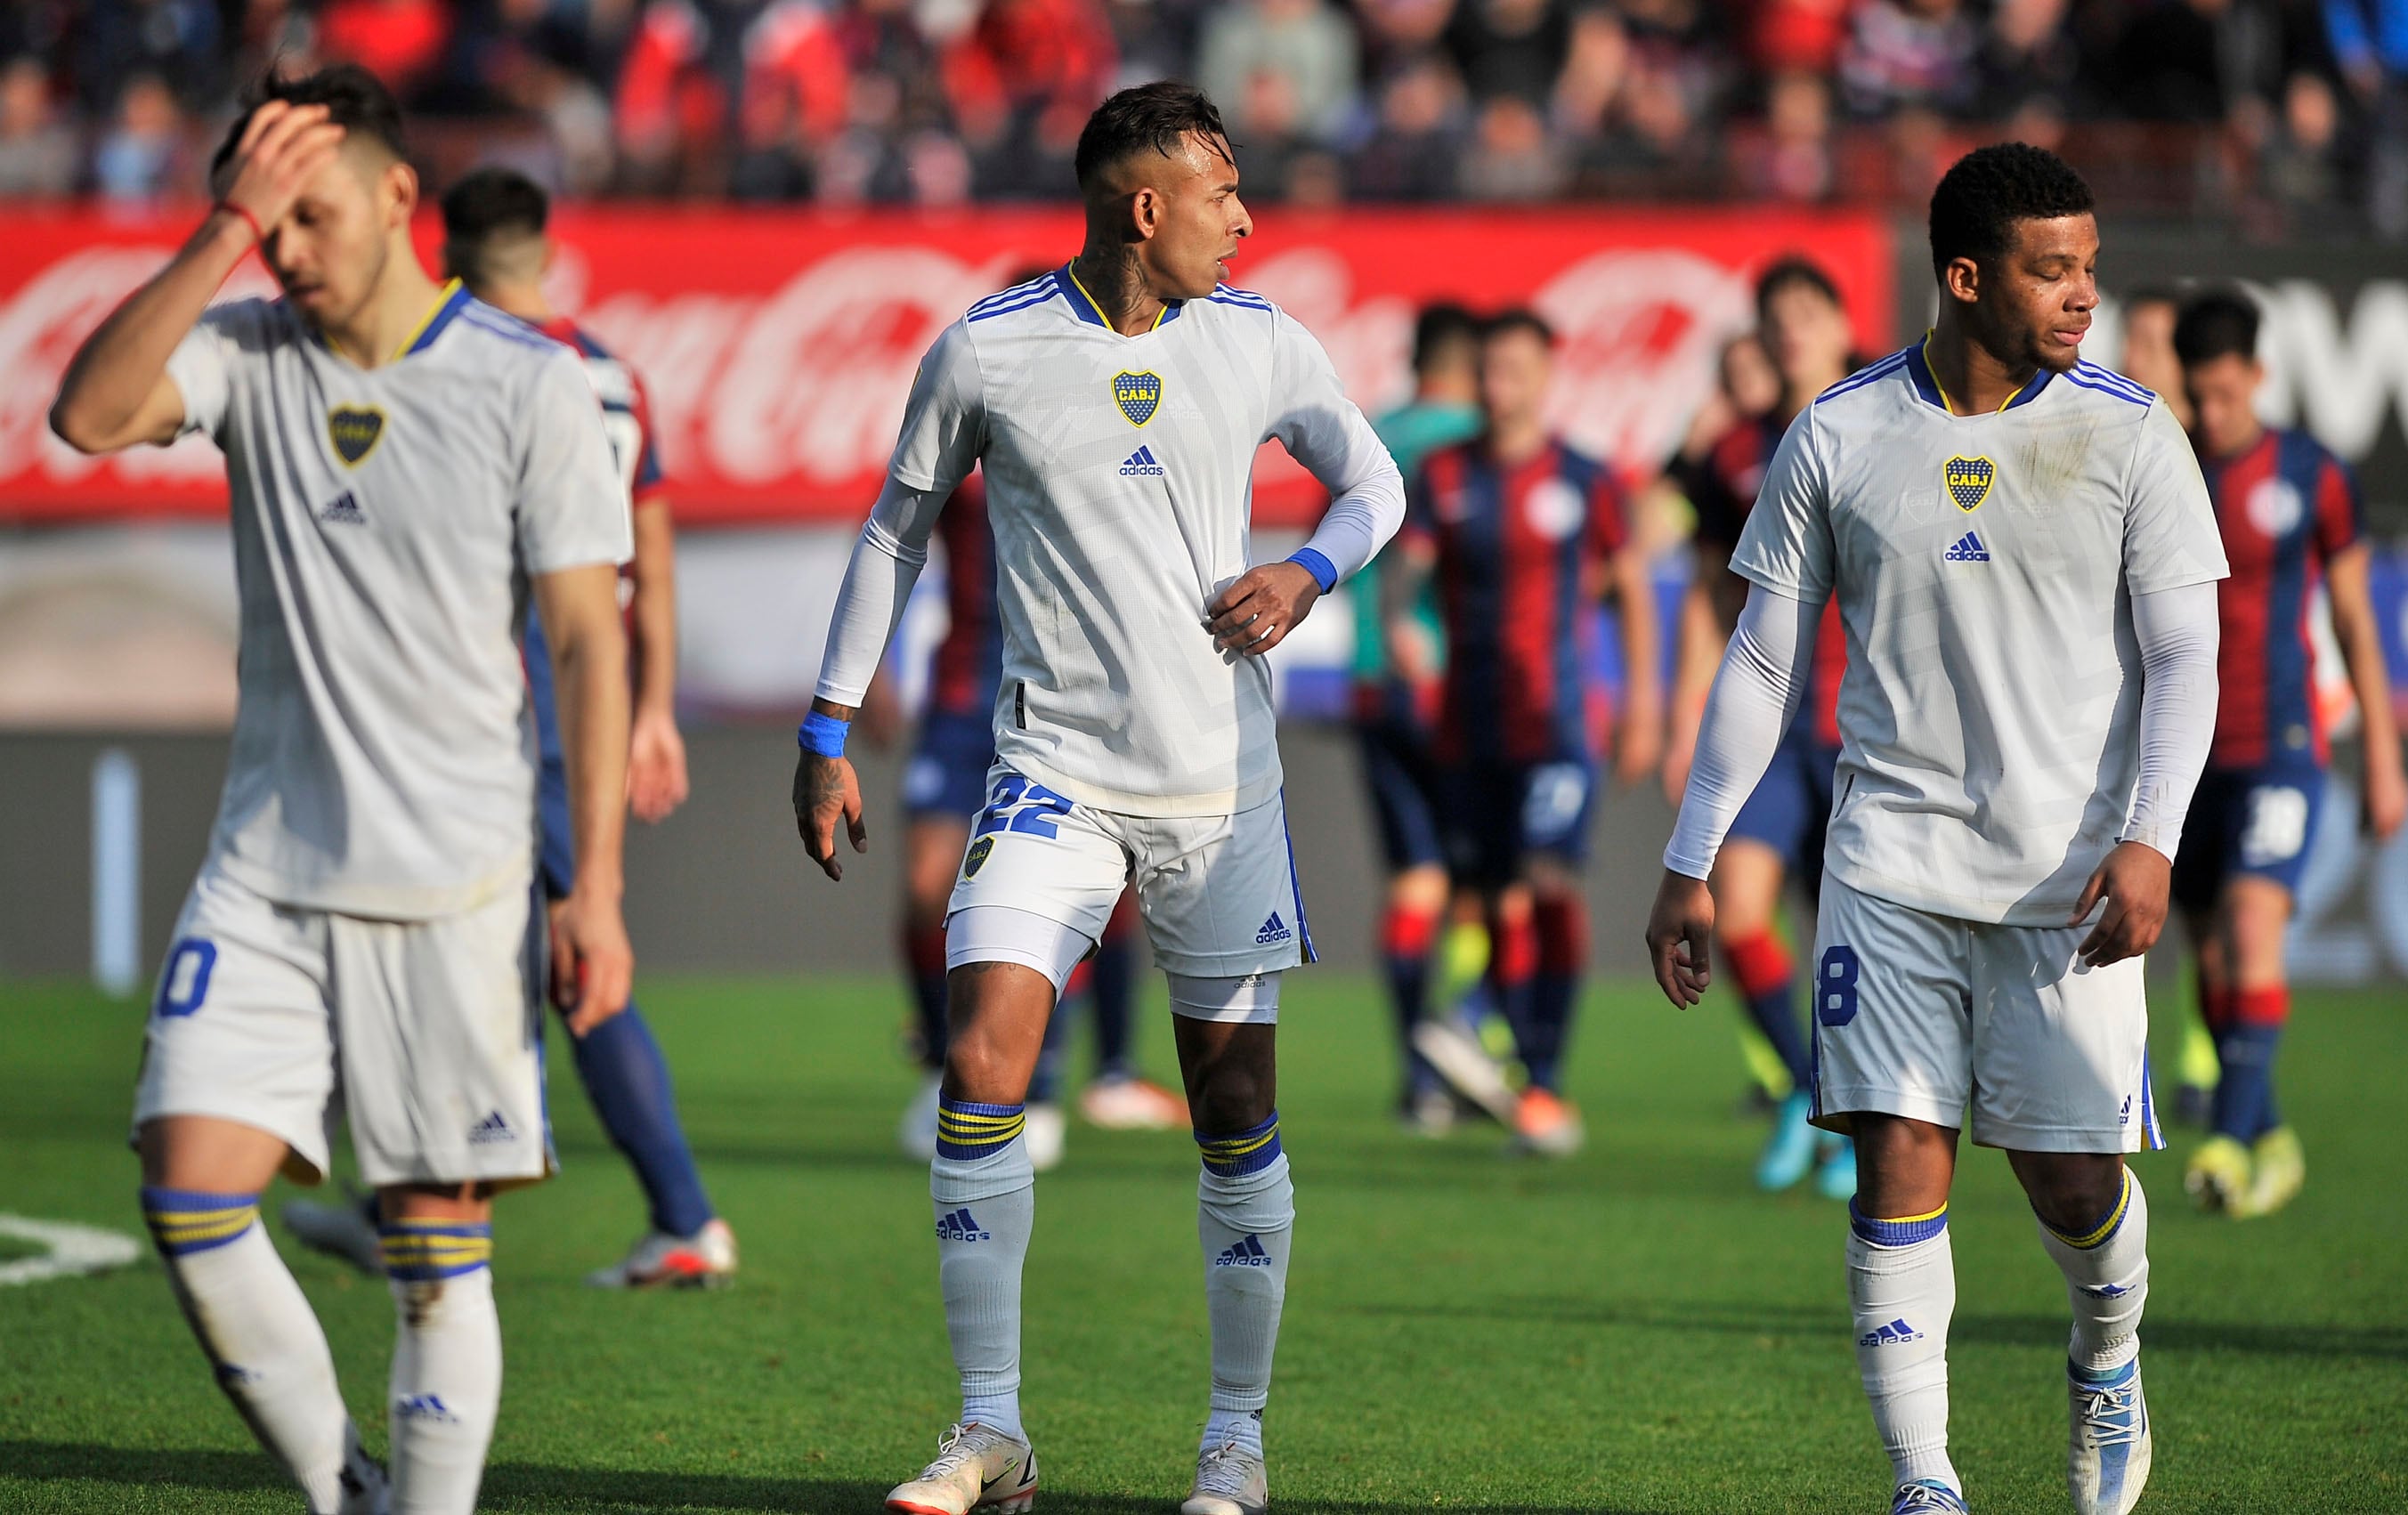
{"x": 354, "y": 430}
{"x": 1139, "y": 395}
{"x": 1969, "y": 481}
{"x": 977, "y": 858}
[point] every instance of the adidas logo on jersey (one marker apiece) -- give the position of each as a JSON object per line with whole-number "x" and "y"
{"x": 423, "y": 1407}
{"x": 1273, "y": 930}
{"x": 493, "y": 1128}
{"x": 344, "y": 511}
{"x": 1897, "y": 1334}
{"x": 1247, "y": 1253}
{"x": 1969, "y": 548}
{"x": 1140, "y": 465}
{"x": 959, "y": 1226}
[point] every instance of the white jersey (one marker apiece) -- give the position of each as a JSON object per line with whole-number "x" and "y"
{"x": 385, "y": 525}
{"x": 1984, "y": 566}
{"x": 1119, "y": 482}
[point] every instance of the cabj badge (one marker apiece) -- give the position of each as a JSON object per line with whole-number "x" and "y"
{"x": 1969, "y": 481}
{"x": 1139, "y": 395}
{"x": 354, "y": 430}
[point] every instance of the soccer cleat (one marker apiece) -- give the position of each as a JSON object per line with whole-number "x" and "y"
{"x": 1789, "y": 1155}
{"x": 365, "y": 1490}
{"x": 2107, "y": 1460}
{"x": 1547, "y": 1124}
{"x": 1427, "y": 1112}
{"x": 705, "y": 1260}
{"x": 2279, "y": 1169}
{"x": 1835, "y": 1177}
{"x": 1122, "y": 1102}
{"x": 1229, "y": 1480}
{"x": 1926, "y": 1497}
{"x": 1465, "y": 1065}
{"x": 347, "y": 1232}
{"x": 1046, "y": 1127}
{"x": 917, "y": 1133}
{"x": 977, "y": 1467}
{"x": 2218, "y": 1176}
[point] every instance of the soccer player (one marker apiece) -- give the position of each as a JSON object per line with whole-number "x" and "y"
{"x": 1116, "y": 406}
{"x": 495, "y": 243}
{"x": 408, "y": 467}
{"x": 2025, "y": 561}
{"x": 1522, "y": 534}
{"x": 2290, "y": 517}
{"x": 1778, "y": 832}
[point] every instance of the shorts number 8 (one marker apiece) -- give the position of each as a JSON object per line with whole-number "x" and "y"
{"x": 1835, "y": 986}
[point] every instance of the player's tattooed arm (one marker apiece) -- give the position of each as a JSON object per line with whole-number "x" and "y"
{"x": 1255, "y": 613}
{"x": 117, "y": 391}
{"x": 827, "y": 791}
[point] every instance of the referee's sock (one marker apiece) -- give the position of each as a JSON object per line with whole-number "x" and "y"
{"x": 446, "y": 1389}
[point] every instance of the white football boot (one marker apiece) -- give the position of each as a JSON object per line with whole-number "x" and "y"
{"x": 365, "y": 1490}
{"x": 1045, "y": 1133}
{"x": 1229, "y": 1480}
{"x": 705, "y": 1260}
{"x": 977, "y": 1467}
{"x": 1465, "y": 1065}
{"x": 1926, "y": 1497}
{"x": 916, "y": 1134}
{"x": 2107, "y": 1461}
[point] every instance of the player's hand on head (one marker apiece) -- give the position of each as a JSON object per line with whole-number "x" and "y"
{"x": 827, "y": 791}
{"x": 1680, "y": 937}
{"x": 1257, "y": 613}
{"x": 592, "y": 964}
{"x": 2136, "y": 880}
{"x": 282, "y": 146}
{"x": 656, "y": 776}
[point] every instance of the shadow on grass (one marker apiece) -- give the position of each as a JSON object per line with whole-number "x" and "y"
{"x": 522, "y": 1486}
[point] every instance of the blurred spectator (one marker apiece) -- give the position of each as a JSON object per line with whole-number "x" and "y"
{"x": 1305, "y": 46}
{"x": 1398, "y": 32}
{"x": 400, "y": 41}
{"x": 1792, "y": 160}
{"x": 1800, "y": 36}
{"x": 113, "y": 40}
{"x": 2299, "y": 170}
{"x": 2149, "y": 349}
{"x": 1508, "y": 47}
{"x": 1412, "y": 150}
{"x": 1022, "y": 80}
{"x": 1911, "y": 53}
{"x": 38, "y": 152}
{"x": 146, "y": 155}
{"x": 1510, "y": 156}
{"x": 675, "y": 86}
{"x": 2370, "y": 41}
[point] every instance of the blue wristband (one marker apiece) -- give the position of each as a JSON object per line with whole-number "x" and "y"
{"x": 1324, "y": 572}
{"x": 823, "y": 735}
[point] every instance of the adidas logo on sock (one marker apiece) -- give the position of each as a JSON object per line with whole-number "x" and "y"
{"x": 2105, "y": 1291}
{"x": 1246, "y": 1253}
{"x": 1897, "y": 1334}
{"x": 1140, "y": 465}
{"x": 959, "y": 1226}
{"x": 1969, "y": 548}
{"x": 423, "y": 1407}
{"x": 344, "y": 511}
{"x": 493, "y": 1128}
{"x": 1273, "y": 930}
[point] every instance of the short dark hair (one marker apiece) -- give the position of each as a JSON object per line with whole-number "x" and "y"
{"x": 1439, "y": 326}
{"x": 2214, "y": 324}
{"x": 1974, "y": 209}
{"x": 1150, "y": 118}
{"x": 1794, "y": 269}
{"x": 494, "y": 201}
{"x": 355, "y": 100}
{"x": 2152, "y": 295}
{"x": 1518, "y": 319}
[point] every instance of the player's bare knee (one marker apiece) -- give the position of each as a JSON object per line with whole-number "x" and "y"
{"x": 2070, "y": 1190}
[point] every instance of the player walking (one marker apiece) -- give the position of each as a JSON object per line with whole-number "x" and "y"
{"x": 2291, "y": 516}
{"x": 2025, "y": 561}
{"x": 406, "y": 466}
{"x": 1522, "y": 534}
{"x": 1116, "y": 406}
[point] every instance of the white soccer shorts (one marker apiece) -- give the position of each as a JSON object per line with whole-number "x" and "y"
{"x": 1218, "y": 894}
{"x": 428, "y": 1033}
{"x": 1937, "y": 1019}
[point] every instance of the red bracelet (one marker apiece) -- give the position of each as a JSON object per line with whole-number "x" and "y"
{"x": 258, "y": 233}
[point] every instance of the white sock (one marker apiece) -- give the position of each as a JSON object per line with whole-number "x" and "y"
{"x": 1902, "y": 1287}
{"x": 2107, "y": 1277}
{"x": 1245, "y": 1217}
{"x": 447, "y": 1363}
{"x": 258, "y": 1332}
{"x": 984, "y": 1191}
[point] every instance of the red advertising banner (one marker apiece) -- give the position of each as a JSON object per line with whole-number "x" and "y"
{"x": 777, "y": 346}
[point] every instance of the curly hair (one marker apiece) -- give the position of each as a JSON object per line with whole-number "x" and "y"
{"x": 355, "y": 100}
{"x": 1974, "y": 209}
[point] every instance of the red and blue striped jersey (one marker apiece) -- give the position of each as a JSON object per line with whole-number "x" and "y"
{"x": 2286, "y": 508}
{"x": 1723, "y": 492}
{"x": 626, "y": 411}
{"x": 1521, "y": 554}
{"x": 969, "y": 663}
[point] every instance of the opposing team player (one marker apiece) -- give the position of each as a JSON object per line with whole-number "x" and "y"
{"x": 407, "y": 465}
{"x": 1133, "y": 731}
{"x": 495, "y": 243}
{"x": 1522, "y": 534}
{"x": 2025, "y": 561}
{"x": 1778, "y": 834}
{"x": 2290, "y": 517}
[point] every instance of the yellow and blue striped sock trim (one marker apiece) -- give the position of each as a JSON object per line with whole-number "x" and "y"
{"x": 1248, "y": 1151}
{"x": 967, "y": 1132}
{"x": 186, "y": 1220}
{"x": 2108, "y": 1225}
{"x": 421, "y": 1252}
{"x": 1903, "y": 1232}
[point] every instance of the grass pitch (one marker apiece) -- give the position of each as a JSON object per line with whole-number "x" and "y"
{"x": 1636, "y": 1330}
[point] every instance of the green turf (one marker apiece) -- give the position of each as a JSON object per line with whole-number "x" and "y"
{"x": 1633, "y": 1331}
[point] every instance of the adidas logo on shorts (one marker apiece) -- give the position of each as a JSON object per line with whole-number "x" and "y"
{"x": 493, "y": 1128}
{"x": 1247, "y": 1253}
{"x": 1968, "y": 549}
{"x": 1140, "y": 465}
{"x": 1274, "y": 929}
{"x": 959, "y": 1226}
{"x": 1897, "y": 1334}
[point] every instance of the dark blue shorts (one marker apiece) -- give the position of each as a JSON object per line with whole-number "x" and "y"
{"x": 1397, "y": 771}
{"x": 1496, "y": 815}
{"x": 1791, "y": 805}
{"x": 2258, "y": 822}
{"x": 947, "y": 771}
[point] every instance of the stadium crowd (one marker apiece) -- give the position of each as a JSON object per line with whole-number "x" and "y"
{"x": 2294, "y": 111}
